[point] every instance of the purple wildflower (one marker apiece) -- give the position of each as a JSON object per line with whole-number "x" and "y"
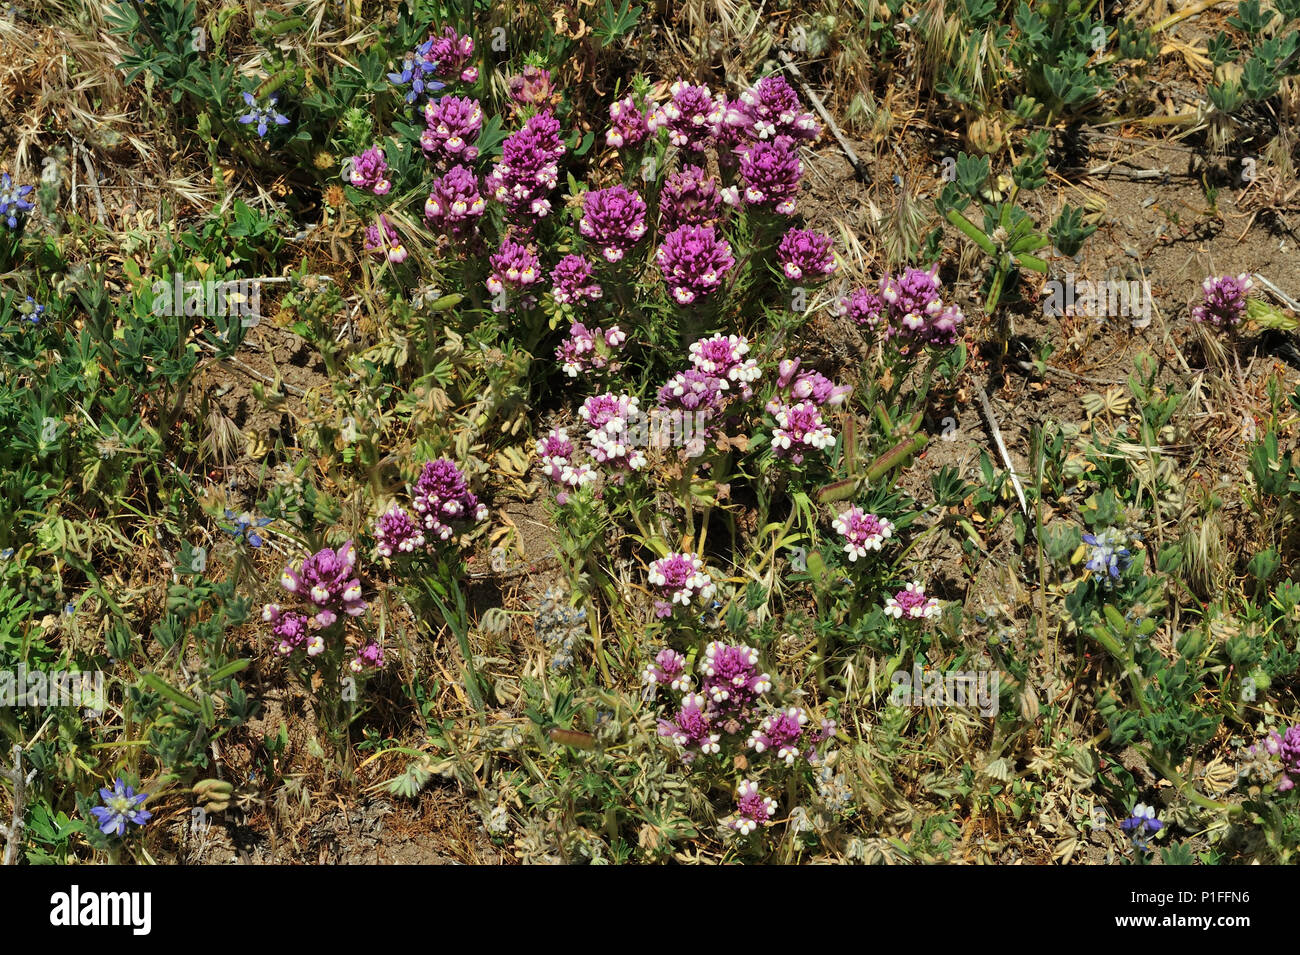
{"x": 292, "y": 631}
{"x": 397, "y": 533}
{"x": 452, "y": 126}
{"x": 917, "y": 311}
{"x": 515, "y": 268}
{"x": 723, "y": 356}
{"x": 668, "y": 667}
{"x": 770, "y": 173}
{"x": 452, "y": 53}
{"x": 382, "y": 240}
{"x": 454, "y": 205}
{"x": 328, "y": 579}
{"x": 862, "y": 531}
{"x": 752, "y": 810}
{"x": 732, "y": 680}
{"x": 532, "y": 87}
{"x": 912, "y": 603}
{"x": 694, "y": 260}
{"x": 611, "y": 419}
{"x": 1286, "y": 747}
{"x": 32, "y": 310}
{"x": 781, "y": 732}
{"x": 805, "y": 255}
{"x": 690, "y": 196}
{"x": 529, "y": 167}
{"x": 558, "y": 456}
{"x": 417, "y": 72}
{"x": 800, "y": 428}
{"x": 692, "y": 728}
{"x": 589, "y": 350}
{"x": 613, "y": 220}
{"x": 1224, "y": 300}
{"x": 691, "y": 116}
{"x": 369, "y": 171}
{"x": 443, "y": 496}
{"x": 867, "y": 309}
{"x": 571, "y": 281}
{"x": 768, "y": 109}
{"x": 627, "y": 124}
{"x": 369, "y": 657}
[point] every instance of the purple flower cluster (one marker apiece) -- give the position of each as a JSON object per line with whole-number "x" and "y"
{"x": 770, "y": 172}
{"x": 862, "y": 531}
{"x": 515, "y": 269}
{"x": 723, "y": 356}
{"x": 690, "y": 196}
{"x": 912, "y": 603}
{"x": 589, "y": 350}
{"x": 450, "y": 54}
{"x": 328, "y": 580}
{"x": 768, "y": 109}
{"x": 917, "y": 311}
{"x": 781, "y": 733}
{"x": 533, "y": 87}
{"x": 732, "y": 681}
{"x": 369, "y": 171}
{"x": 627, "y": 124}
{"x": 693, "y": 390}
{"x": 572, "y": 282}
{"x": 694, "y": 259}
{"x": 752, "y": 809}
{"x": 613, "y": 220}
{"x": 396, "y": 533}
{"x": 611, "y": 418}
{"x": 805, "y": 256}
{"x": 668, "y": 668}
{"x": 454, "y": 205}
{"x": 442, "y": 496}
{"x": 529, "y": 168}
{"x": 682, "y": 579}
{"x": 382, "y": 240}
{"x": 452, "y": 126}
{"x": 1223, "y": 304}
{"x": 1286, "y": 747}
{"x": 797, "y": 408}
{"x": 558, "y": 456}
{"x": 867, "y": 310}
{"x": 732, "y": 684}
{"x": 692, "y": 116}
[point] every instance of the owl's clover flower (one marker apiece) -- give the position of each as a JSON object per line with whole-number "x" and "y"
{"x": 768, "y": 109}
{"x": 369, "y": 657}
{"x": 723, "y": 356}
{"x": 589, "y": 350}
{"x": 452, "y": 126}
{"x": 800, "y": 428}
{"x": 515, "y": 268}
{"x": 442, "y": 496}
{"x": 862, "y": 531}
{"x": 732, "y": 681}
{"x": 912, "y": 603}
{"x": 806, "y": 255}
{"x": 691, "y": 116}
{"x": 328, "y": 580}
{"x": 451, "y": 54}
{"x": 770, "y": 173}
{"x": 558, "y": 455}
{"x": 682, "y": 579}
{"x": 395, "y": 532}
{"x": 1286, "y": 748}
{"x": 529, "y": 168}
{"x": 611, "y": 441}
{"x": 454, "y": 204}
{"x": 1223, "y": 303}
{"x": 781, "y": 733}
{"x": 571, "y": 281}
{"x": 866, "y": 309}
{"x": 692, "y": 727}
{"x": 613, "y": 220}
{"x": 690, "y": 196}
{"x": 383, "y": 241}
{"x": 627, "y": 124}
{"x": 669, "y": 667}
{"x": 752, "y": 810}
{"x": 532, "y": 87}
{"x": 694, "y": 260}
{"x": 369, "y": 171}
{"x": 917, "y": 311}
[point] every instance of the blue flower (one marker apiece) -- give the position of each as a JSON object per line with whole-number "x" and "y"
{"x": 245, "y": 526}
{"x": 263, "y": 116}
{"x": 415, "y": 70}
{"x": 1107, "y": 555}
{"x": 121, "y": 806}
{"x": 12, "y": 200}
{"x": 32, "y": 309}
{"x": 1142, "y": 825}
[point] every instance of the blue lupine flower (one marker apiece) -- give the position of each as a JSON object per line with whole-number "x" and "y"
{"x": 245, "y": 526}
{"x": 1142, "y": 825}
{"x": 415, "y": 70}
{"x": 1107, "y": 555}
{"x": 121, "y": 806}
{"x": 32, "y": 309}
{"x": 12, "y": 200}
{"x": 262, "y": 116}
